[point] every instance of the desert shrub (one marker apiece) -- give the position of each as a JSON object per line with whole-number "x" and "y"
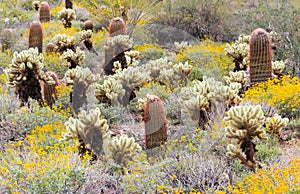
{"x": 282, "y": 93}
{"x": 208, "y": 58}
{"x": 276, "y": 179}
{"x": 197, "y": 17}
{"x": 149, "y": 52}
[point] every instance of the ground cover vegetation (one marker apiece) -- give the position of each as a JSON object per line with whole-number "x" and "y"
{"x": 139, "y": 96}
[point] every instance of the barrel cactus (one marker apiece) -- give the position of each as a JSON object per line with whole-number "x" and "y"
{"x": 49, "y": 89}
{"x": 260, "y": 56}
{"x": 6, "y": 39}
{"x": 44, "y": 12}
{"x": 36, "y": 36}
{"x": 88, "y": 25}
{"x": 155, "y": 122}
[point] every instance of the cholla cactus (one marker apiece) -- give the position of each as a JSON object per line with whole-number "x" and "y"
{"x": 277, "y": 67}
{"x": 25, "y": 74}
{"x": 245, "y": 123}
{"x": 156, "y": 124}
{"x": 85, "y": 39}
{"x": 89, "y": 129}
{"x": 67, "y": 16}
{"x": 80, "y": 79}
{"x": 239, "y": 52}
{"x": 132, "y": 58}
{"x": 64, "y": 42}
{"x": 141, "y": 103}
{"x": 155, "y": 66}
{"x": 73, "y": 59}
{"x": 114, "y": 51}
{"x": 111, "y": 91}
{"x": 117, "y": 66}
{"x": 201, "y": 99}
{"x": 185, "y": 68}
{"x": 124, "y": 149}
{"x": 237, "y": 77}
{"x": 130, "y": 79}
{"x": 275, "y": 124}
{"x": 181, "y": 46}
{"x": 36, "y": 5}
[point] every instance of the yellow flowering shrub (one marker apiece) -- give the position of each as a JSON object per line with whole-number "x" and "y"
{"x": 207, "y": 55}
{"x": 283, "y": 93}
{"x": 276, "y": 180}
{"x": 47, "y": 167}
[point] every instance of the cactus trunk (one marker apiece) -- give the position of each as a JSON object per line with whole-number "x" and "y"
{"x": 36, "y": 36}
{"x": 260, "y": 56}
{"x": 155, "y": 121}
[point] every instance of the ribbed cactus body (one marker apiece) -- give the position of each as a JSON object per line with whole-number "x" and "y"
{"x": 117, "y": 26}
{"x": 50, "y": 47}
{"x": 44, "y": 12}
{"x": 6, "y": 40}
{"x": 260, "y": 56}
{"x": 36, "y": 36}
{"x": 49, "y": 89}
{"x": 69, "y": 4}
{"x": 155, "y": 120}
{"x": 88, "y": 25}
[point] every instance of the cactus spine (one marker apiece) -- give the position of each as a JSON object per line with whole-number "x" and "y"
{"x": 155, "y": 120}
{"x": 44, "y": 12}
{"x": 260, "y": 56}
{"x": 36, "y": 36}
{"x": 7, "y": 38}
{"x": 25, "y": 74}
{"x": 49, "y": 89}
{"x": 245, "y": 123}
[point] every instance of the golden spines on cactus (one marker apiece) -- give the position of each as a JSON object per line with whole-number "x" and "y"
{"x": 80, "y": 79}
{"x": 67, "y": 16}
{"x": 260, "y": 56}
{"x": 275, "y": 124}
{"x": 64, "y": 42}
{"x": 44, "y": 12}
{"x": 111, "y": 91}
{"x": 155, "y": 122}
{"x": 36, "y": 5}
{"x": 90, "y": 128}
{"x": 244, "y": 124}
{"x": 123, "y": 149}
{"x": 36, "y": 36}
{"x": 25, "y": 74}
